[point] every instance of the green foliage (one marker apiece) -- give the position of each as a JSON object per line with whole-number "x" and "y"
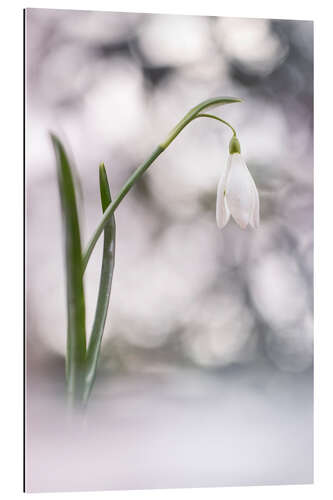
{"x": 81, "y": 363}
{"x": 104, "y": 284}
{"x": 76, "y": 335}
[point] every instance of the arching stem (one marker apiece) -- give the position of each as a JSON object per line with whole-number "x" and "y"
{"x": 188, "y": 118}
{"x": 206, "y": 115}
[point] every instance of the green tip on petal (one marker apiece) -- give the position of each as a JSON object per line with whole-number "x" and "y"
{"x": 234, "y": 146}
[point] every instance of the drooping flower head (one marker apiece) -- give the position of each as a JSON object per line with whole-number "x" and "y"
{"x": 237, "y": 193}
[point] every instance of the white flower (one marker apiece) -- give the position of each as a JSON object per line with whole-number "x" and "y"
{"x": 237, "y": 195}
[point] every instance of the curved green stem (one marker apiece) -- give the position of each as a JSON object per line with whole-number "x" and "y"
{"x": 205, "y": 115}
{"x": 191, "y": 115}
{"x": 194, "y": 112}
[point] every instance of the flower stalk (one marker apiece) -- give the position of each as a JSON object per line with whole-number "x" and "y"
{"x": 188, "y": 118}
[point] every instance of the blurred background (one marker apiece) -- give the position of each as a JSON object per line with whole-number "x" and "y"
{"x": 205, "y": 377}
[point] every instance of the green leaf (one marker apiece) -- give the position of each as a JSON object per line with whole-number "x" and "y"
{"x": 104, "y": 285}
{"x": 76, "y": 335}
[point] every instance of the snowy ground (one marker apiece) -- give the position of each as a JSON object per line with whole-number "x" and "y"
{"x": 173, "y": 429}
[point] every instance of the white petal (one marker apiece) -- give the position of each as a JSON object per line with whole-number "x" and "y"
{"x": 254, "y": 218}
{"x": 239, "y": 191}
{"x": 222, "y": 210}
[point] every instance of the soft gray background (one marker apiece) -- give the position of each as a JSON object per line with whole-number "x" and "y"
{"x": 206, "y": 370}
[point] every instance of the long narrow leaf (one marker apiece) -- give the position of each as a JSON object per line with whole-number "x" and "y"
{"x": 76, "y": 335}
{"x": 104, "y": 284}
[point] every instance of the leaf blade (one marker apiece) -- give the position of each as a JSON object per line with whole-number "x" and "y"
{"x": 105, "y": 284}
{"x": 76, "y": 336}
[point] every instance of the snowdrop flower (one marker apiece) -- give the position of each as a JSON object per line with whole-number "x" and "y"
{"x": 237, "y": 193}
